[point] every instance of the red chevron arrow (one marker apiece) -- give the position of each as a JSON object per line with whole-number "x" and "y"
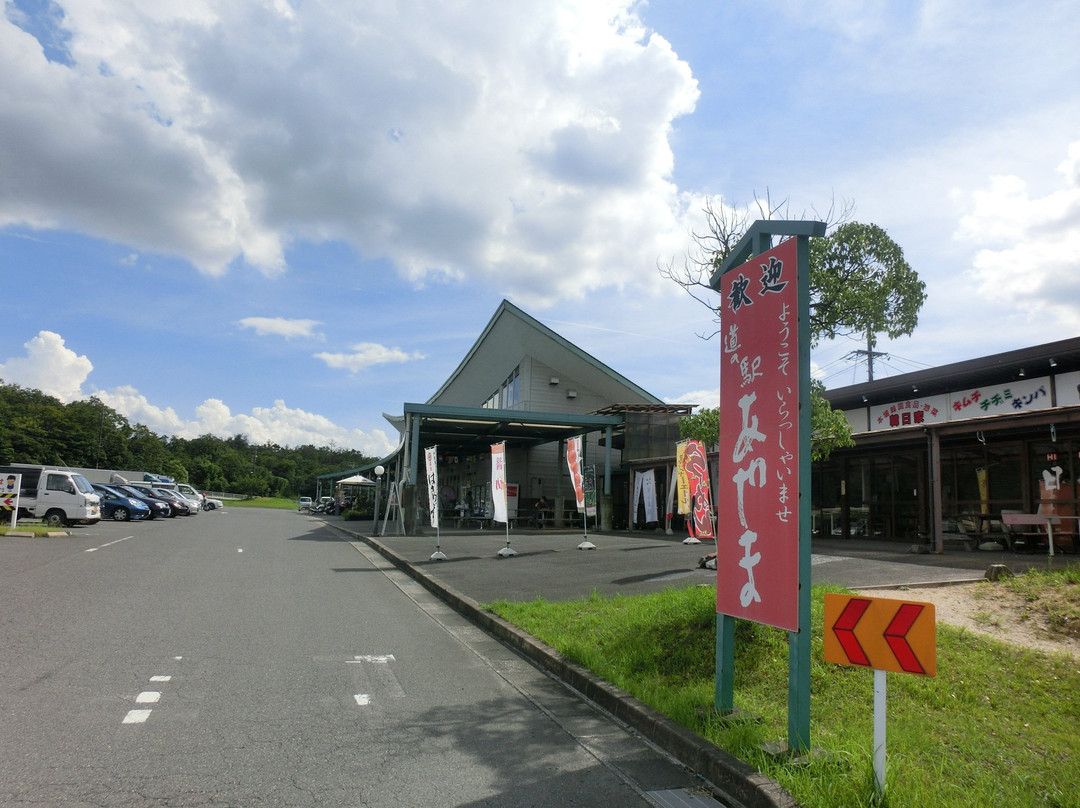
{"x": 896, "y": 637}
{"x": 844, "y": 629}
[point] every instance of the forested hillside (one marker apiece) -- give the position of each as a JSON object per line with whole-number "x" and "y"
{"x": 37, "y": 428}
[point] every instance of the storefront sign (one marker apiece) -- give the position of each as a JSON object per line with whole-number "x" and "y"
{"x": 1021, "y": 395}
{"x": 757, "y": 563}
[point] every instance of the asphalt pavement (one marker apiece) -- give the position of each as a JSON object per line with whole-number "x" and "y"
{"x": 468, "y": 568}
{"x": 548, "y": 564}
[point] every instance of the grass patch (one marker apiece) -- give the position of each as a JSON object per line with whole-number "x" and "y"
{"x": 1055, "y": 594}
{"x": 37, "y": 528}
{"x": 996, "y": 726}
{"x": 262, "y": 502}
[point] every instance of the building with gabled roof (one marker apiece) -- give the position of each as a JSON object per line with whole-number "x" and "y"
{"x": 523, "y": 384}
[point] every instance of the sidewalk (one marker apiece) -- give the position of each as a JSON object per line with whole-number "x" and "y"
{"x": 549, "y": 565}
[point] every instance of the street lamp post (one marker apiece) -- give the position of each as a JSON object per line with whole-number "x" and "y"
{"x": 379, "y": 471}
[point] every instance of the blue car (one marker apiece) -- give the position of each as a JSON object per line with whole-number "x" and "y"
{"x": 117, "y": 505}
{"x": 158, "y": 507}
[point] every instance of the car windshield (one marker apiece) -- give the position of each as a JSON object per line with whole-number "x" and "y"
{"x": 82, "y": 484}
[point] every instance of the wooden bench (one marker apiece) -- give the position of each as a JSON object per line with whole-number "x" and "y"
{"x": 1042, "y": 520}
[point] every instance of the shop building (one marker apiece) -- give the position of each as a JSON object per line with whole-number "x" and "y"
{"x": 940, "y": 453}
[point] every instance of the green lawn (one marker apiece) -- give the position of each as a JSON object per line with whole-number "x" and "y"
{"x": 999, "y": 725}
{"x": 262, "y": 502}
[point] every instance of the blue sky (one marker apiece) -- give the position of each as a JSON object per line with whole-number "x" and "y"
{"x": 284, "y": 219}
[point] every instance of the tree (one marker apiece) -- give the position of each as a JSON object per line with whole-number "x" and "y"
{"x": 829, "y": 428}
{"x": 859, "y": 284}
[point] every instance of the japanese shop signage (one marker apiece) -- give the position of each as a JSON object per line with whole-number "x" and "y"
{"x": 757, "y": 563}
{"x": 1021, "y": 395}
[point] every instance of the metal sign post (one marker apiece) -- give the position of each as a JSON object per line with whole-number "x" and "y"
{"x": 885, "y": 634}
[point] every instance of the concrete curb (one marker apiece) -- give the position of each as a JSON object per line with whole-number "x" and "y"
{"x": 738, "y": 783}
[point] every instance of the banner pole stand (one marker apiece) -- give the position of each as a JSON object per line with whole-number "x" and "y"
{"x": 586, "y": 545}
{"x": 438, "y": 555}
{"x": 507, "y": 550}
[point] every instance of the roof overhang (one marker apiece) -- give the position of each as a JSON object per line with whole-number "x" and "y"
{"x": 472, "y": 430}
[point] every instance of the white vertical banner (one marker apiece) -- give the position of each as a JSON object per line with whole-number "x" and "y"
{"x": 431, "y": 460}
{"x": 498, "y": 481}
{"x": 648, "y": 493}
{"x": 573, "y": 462}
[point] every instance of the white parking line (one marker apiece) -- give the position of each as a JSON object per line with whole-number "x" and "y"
{"x": 136, "y": 716}
{"x": 108, "y": 544}
{"x": 148, "y": 697}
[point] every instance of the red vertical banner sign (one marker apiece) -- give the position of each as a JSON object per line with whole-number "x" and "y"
{"x": 757, "y": 563}
{"x": 696, "y": 468}
{"x": 573, "y": 463}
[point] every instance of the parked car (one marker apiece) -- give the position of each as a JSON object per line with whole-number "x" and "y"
{"x": 194, "y": 504}
{"x": 211, "y": 504}
{"x": 119, "y": 505}
{"x": 180, "y": 506}
{"x": 158, "y": 507}
{"x": 303, "y": 504}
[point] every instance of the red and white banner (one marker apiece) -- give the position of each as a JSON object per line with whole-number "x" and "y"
{"x": 573, "y": 462}
{"x": 498, "y": 481}
{"x": 431, "y": 460}
{"x": 757, "y": 563}
{"x": 696, "y": 469}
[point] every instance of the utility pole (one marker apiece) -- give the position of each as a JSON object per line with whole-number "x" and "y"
{"x": 869, "y": 353}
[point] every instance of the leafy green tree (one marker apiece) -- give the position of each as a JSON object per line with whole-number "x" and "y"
{"x": 829, "y": 428}
{"x": 860, "y": 283}
{"x": 38, "y": 428}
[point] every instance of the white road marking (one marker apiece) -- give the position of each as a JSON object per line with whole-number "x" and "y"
{"x": 148, "y": 697}
{"x": 136, "y": 716}
{"x": 160, "y": 678}
{"x": 380, "y": 659}
{"x": 362, "y": 699}
{"x": 108, "y": 544}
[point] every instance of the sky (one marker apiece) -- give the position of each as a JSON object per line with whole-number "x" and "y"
{"x": 284, "y": 218}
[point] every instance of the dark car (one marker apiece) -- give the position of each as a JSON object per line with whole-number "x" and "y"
{"x": 180, "y": 506}
{"x": 158, "y": 507}
{"x": 119, "y": 505}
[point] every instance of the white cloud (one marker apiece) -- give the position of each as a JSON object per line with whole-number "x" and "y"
{"x": 526, "y": 142}
{"x": 1029, "y": 245}
{"x": 282, "y": 327}
{"x": 49, "y": 366}
{"x": 279, "y": 423}
{"x": 700, "y": 398}
{"x": 365, "y": 354}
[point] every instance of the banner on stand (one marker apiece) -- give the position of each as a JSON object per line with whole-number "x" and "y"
{"x": 696, "y": 469}
{"x": 431, "y": 460}
{"x": 498, "y": 481}
{"x": 573, "y": 462}
{"x": 590, "y": 491}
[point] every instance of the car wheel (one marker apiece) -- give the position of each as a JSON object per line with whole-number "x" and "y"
{"x": 120, "y": 514}
{"x": 55, "y": 518}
